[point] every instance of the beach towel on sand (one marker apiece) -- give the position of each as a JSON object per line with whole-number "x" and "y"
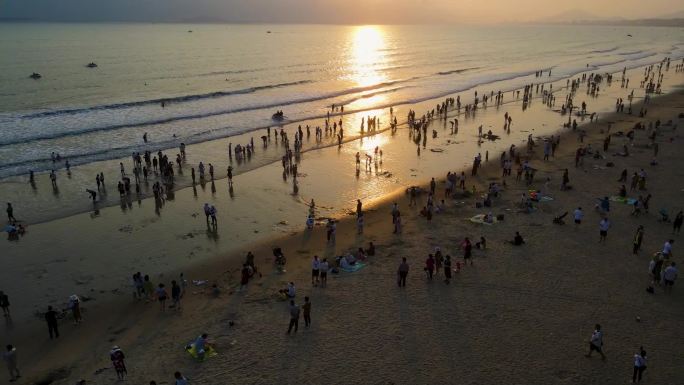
{"x": 355, "y": 267}
{"x": 479, "y": 218}
{"x": 537, "y": 197}
{"x": 209, "y": 352}
{"x": 619, "y": 199}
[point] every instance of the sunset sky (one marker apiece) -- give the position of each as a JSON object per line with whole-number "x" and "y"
{"x": 330, "y": 11}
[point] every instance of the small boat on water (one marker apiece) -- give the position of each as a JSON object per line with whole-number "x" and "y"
{"x": 36, "y": 76}
{"x": 278, "y": 116}
{"x": 91, "y": 65}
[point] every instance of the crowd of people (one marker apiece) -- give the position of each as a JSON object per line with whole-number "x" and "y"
{"x": 662, "y": 267}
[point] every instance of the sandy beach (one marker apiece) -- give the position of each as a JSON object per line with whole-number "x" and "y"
{"x": 521, "y": 314}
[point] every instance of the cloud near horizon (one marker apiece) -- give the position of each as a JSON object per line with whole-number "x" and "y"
{"x": 329, "y": 11}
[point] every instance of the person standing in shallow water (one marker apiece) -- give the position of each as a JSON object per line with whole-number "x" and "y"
{"x": 10, "y": 213}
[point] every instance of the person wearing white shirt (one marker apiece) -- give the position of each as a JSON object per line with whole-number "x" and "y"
{"x": 578, "y": 214}
{"x": 291, "y": 290}
{"x": 604, "y": 225}
{"x": 639, "y": 365}
{"x": 669, "y": 276}
{"x": 315, "y": 270}
{"x": 667, "y": 249}
{"x": 596, "y": 342}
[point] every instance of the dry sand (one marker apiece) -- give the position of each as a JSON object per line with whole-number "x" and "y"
{"x": 519, "y": 315}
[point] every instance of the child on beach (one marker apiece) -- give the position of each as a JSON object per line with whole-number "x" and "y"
{"x": 161, "y": 296}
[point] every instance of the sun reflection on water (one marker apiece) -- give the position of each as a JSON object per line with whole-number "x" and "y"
{"x": 367, "y": 55}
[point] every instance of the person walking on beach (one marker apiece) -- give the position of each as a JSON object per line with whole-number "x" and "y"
{"x": 596, "y": 342}
{"x": 306, "y": 308}
{"x": 117, "y": 357}
{"x": 638, "y": 239}
{"x": 639, "y": 365}
{"x": 315, "y": 270}
{"x": 330, "y": 233}
{"x": 148, "y": 288}
{"x": 294, "y": 317}
{"x": 175, "y": 295}
{"x": 669, "y": 277}
{"x": 447, "y": 269}
{"x": 212, "y": 213}
{"x": 51, "y": 319}
{"x": 75, "y": 306}
{"x": 4, "y": 304}
{"x": 10, "y": 213}
{"x": 430, "y": 266}
{"x": 207, "y": 211}
{"x": 10, "y": 358}
{"x": 667, "y": 249}
{"x": 578, "y": 214}
{"x": 677, "y": 223}
{"x": 402, "y": 272}
{"x": 467, "y": 251}
{"x": 604, "y": 225}
{"x": 162, "y": 295}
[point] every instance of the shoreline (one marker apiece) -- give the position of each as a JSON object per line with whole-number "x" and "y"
{"x": 377, "y": 219}
{"x": 263, "y": 157}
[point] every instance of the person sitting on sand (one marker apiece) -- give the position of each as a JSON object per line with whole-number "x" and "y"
{"x": 482, "y": 244}
{"x": 424, "y": 211}
{"x": 441, "y": 206}
{"x": 344, "y": 263}
{"x": 361, "y": 254}
{"x": 201, "y": 345}
{"x": 487, "y": 202}
{"x": 517, "y": 240}
{"x": 350, "y": 259}
{"x": 623, "y": 191}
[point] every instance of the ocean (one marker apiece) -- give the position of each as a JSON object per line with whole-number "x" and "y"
{"x": 216, "y": 80}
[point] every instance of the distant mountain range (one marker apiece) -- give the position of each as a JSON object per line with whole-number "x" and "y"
{"x": 577, "y": 16}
